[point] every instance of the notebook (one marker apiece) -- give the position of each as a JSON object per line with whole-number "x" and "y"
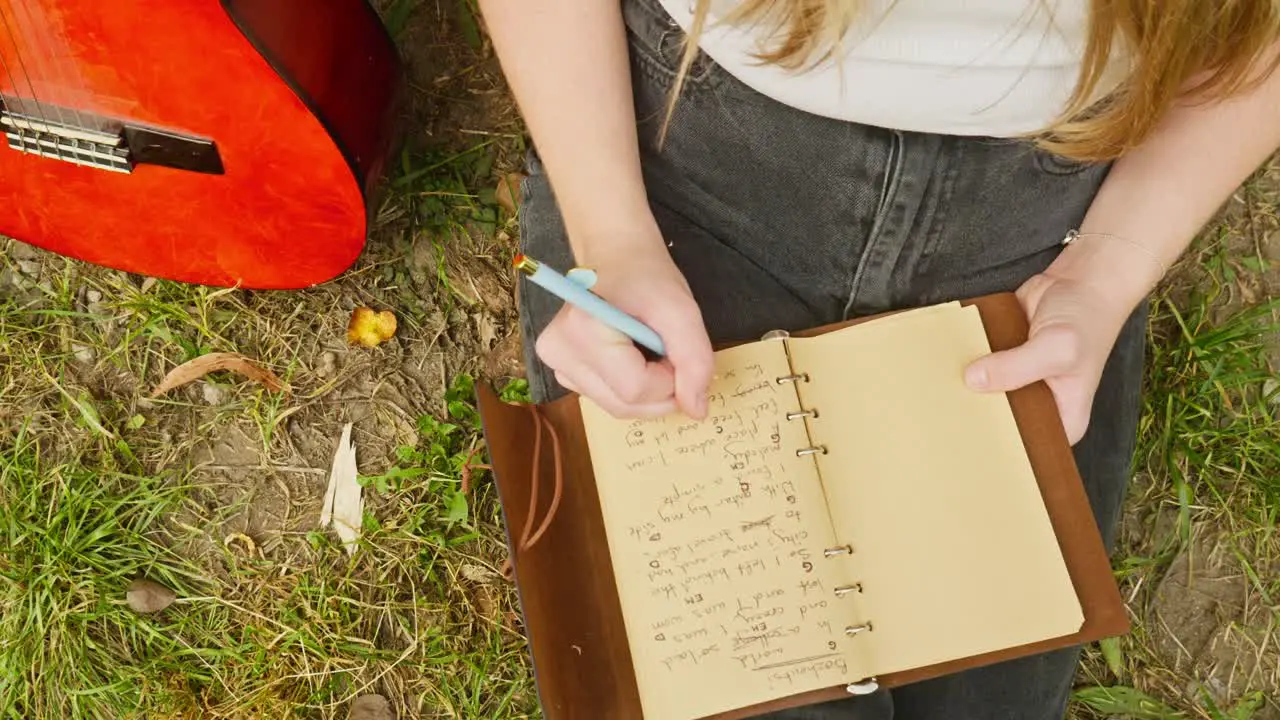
{"x": 849, "y": 517}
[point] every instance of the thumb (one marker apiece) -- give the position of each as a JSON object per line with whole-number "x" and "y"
{"x": 1047, "y": 353}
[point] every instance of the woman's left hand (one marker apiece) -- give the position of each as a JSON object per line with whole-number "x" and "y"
{"x": 1073, "y": 328}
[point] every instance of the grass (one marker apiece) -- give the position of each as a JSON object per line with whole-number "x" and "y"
{"x": 420, "y": 612}
{"x": 75, "y": 537}
{"x": 1210, "y": 454}
{"x": 1211, "y": 425}
{"x": 1206, "y": 499}
{"x": 213, "y": 490}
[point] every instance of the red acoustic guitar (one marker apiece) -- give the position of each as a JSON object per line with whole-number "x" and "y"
{"x": 219, "y": 142}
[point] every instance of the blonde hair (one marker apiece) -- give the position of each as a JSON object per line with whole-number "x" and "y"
{"x": 1175, "y": 49}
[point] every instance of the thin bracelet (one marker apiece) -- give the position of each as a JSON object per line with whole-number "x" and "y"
{"x": 1074, "y": 234}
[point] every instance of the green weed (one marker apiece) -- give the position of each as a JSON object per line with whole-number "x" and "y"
{"x": 1209, "y": 426}
{"x": 1126, "y": 702}
{"x": 74, "y": 539}
{"x": 446, "y": 451}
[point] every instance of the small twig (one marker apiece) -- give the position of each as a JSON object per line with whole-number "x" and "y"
{"x": 281, "y": 468}
{"x": 512, "y": 136}
{"x": 468, "y": 466}
{"x": 234, "y": 606}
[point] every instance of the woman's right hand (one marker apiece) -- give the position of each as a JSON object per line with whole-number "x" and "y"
{"x": 568, "y": 64}
{"x": 638, "y": 276}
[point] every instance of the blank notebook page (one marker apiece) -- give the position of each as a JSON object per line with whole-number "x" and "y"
{"x": 931, "y": 485}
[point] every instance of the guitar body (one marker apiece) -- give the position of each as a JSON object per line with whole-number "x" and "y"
{"x": 218, "y": 142}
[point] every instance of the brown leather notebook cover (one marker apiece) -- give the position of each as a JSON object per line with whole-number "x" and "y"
{"x": 569, "y": 599}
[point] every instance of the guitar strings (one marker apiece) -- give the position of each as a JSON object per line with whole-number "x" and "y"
{"x": 58, "y": 60}
{"x": 17, "y": 91}
{"x": 13, "y": 83}
{"x": 62, "y": 60}
{"x": 22, "y": 66}
{"x": 17, "y": 54}
{"x": 31, "y": 30}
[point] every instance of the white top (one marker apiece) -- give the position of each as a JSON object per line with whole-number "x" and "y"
{"x": 960, "y": 67}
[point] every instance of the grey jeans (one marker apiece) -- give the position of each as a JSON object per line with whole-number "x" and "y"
{"x": 781, "y": 219}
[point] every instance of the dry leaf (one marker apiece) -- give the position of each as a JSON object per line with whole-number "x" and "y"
{"x": 485, "y": 603}
{"x": 371, "y": 707}
{"x": 486, "y": 329}
{"x": 370, "y": 328}
{"x": 84, "y": 354}
{"x": 213, "y": 362}
{"x": 477, "y": 573}
{"x": 343, "y": 499}
{"x": 145, "y": 596}
{"x": 508, "y": 192}
{"x": 328, "y": 365}
{"x": 1248, "y": 291}
{"x": 241, "y": 539}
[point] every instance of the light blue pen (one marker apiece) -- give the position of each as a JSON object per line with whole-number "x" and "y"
{"x": 576, "y": 290}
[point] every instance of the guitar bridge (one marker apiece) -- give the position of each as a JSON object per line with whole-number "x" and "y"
{"x": 51, "y": 139}
{"x": 103, "y": 143}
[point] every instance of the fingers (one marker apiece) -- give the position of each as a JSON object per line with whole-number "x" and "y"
{"x": 606, "y": 365}
{"x": 1050, "y": 355}
{"x": 592, "y": 386}
{"x": 1051, "y": 351}
{"x": 690, "y": 354}
{"x": 1069, "y": 341}
{"x": 594, "y": 360}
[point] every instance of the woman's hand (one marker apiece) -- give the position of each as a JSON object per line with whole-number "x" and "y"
{"x": 638, "y": 276}
{"x": 1157, "y": 196}
{"x": 568, "y": 65}
{"x": 1076, "y": 308}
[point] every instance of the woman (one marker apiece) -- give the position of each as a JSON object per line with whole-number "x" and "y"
{"x": 830, "y": 158}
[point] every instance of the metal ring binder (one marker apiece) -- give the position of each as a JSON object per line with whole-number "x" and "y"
{"x": 869, "y": 685}
{"x": 852, "y": 630}
{"x": 801, "y": 377}
{"x": 866, "y": 687}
